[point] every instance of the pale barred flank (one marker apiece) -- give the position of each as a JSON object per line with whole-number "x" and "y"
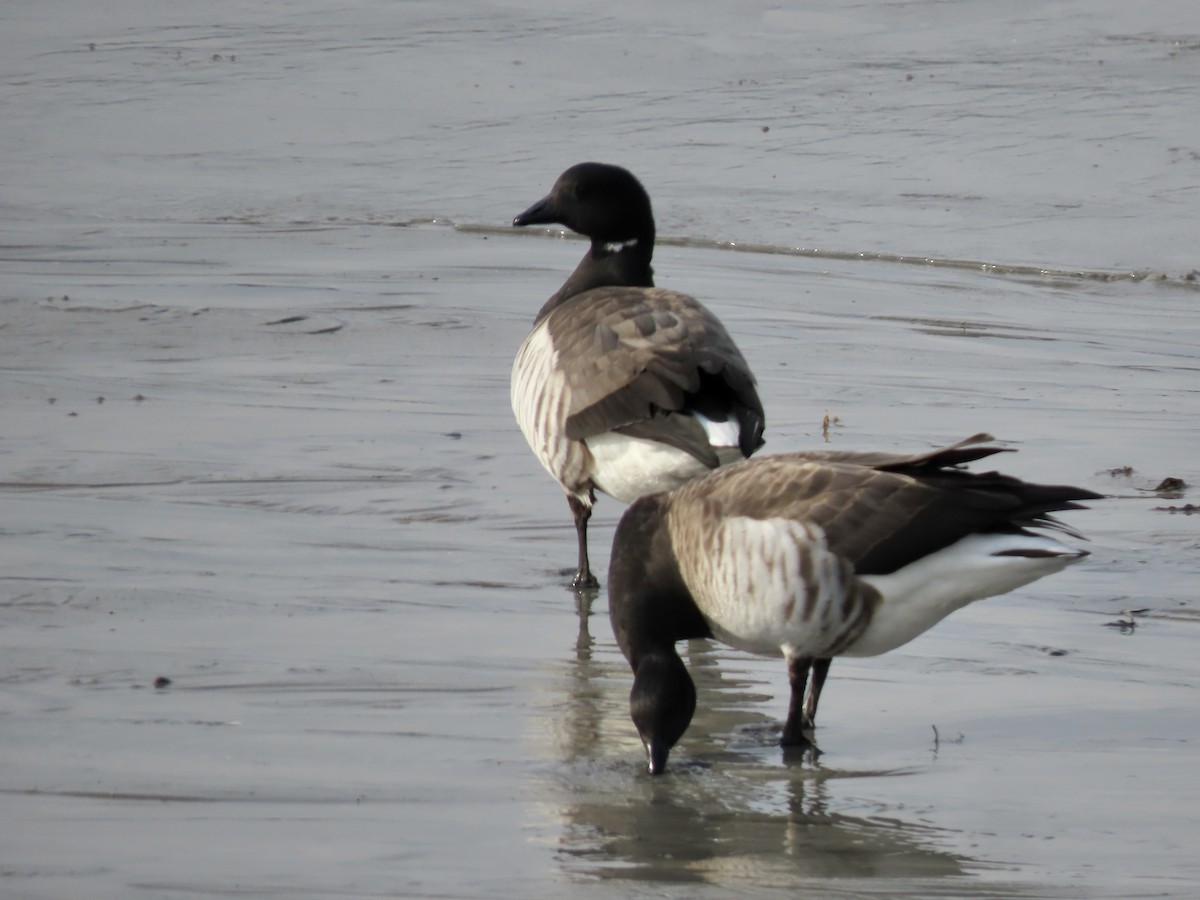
{"x": 769, "y": 586}
{"x": 541, "y": 400}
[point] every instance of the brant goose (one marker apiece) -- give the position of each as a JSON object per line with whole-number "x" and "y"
{"x": 623, "y": 387}
{"x": 816, "y": 555}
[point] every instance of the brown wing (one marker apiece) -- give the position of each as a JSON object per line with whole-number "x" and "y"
{"x": 632, "y": 355}
{"x": 888, "y": 512}
{"x": 956, "y": 454}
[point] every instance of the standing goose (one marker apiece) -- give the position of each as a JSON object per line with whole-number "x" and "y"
{"x": 816, "y": 555}
{"x": 623, "y": 387}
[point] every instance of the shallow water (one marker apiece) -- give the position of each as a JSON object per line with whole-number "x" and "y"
{"x": 257, "y": 441}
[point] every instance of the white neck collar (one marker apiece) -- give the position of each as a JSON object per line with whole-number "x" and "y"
{"x": 618, "y": 246}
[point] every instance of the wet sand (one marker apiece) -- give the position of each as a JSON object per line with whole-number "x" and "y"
{"x": 329, "y": 536}
{"x": 262, "y": 453}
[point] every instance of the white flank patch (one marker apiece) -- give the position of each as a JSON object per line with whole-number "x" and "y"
{"x": 923, "y": 593}
{"x": 628, "y": 467}
{"x": 721, "y": 434}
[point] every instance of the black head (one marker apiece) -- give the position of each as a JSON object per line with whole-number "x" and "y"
{"x": 661, "y": 703}
{"x": 651, "y": 609}
{"x": 602, "y": 202}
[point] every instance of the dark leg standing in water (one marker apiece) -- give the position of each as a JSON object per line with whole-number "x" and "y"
{"x": 802, "y": 707}
{"x": 820, "y": 669}
{"x": 797, "y": 719}
{"x": 584, "y": 579}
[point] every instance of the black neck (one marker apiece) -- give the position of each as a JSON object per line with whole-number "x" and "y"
{"x": 611, "y": 264}
{"x": 650, "y": 606}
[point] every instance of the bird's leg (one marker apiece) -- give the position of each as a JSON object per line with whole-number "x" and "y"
{"x": 582, "y": 512}
{"x": 820, "y": 669}
{"x": 797, "y": 720}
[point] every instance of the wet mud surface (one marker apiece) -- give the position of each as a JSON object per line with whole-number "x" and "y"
{"x": 336, "y": 547}
{"x": 282, "y": 604}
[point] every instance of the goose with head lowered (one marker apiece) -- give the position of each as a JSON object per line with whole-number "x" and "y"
{"x": 623, "y": 387}
{"x": 816, "y": 555}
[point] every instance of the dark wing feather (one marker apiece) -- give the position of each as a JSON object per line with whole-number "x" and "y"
{"x": 881, "y": 511}
{"x": 683, "y": 432}
{"x": 631, "y": 355}
{"x": 956, "y": 454}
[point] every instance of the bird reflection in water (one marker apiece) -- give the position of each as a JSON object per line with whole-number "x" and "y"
{"x": 734, "y": 819}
